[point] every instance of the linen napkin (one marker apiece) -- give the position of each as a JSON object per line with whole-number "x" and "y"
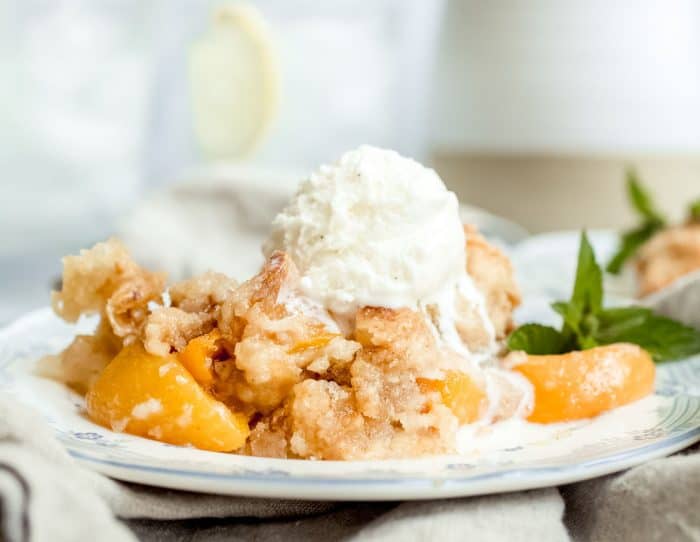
{"x": 657, "y": 501}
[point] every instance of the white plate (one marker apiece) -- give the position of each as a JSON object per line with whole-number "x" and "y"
{"x": 656, "y": 426}
{"x": 560, "y": 250}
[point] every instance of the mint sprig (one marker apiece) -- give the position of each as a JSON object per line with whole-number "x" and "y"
{"x": 587, "y": 324}
{"x": 651, "y": 221}
{"x": 536, "y": 339}
{"x": 694, "y": 211}
{"x": 641, "y": 198}
{"x": 665, "y": 339}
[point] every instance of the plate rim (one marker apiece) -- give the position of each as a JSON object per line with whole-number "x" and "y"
{"x": 386, "y": 489}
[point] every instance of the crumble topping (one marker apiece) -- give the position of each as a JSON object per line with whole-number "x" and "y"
{"x": 310, "y": 388}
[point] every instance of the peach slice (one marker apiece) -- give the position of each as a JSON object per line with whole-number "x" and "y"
{"x": 197, "y": 356}
{"x": 156, "y": 397}
{"x": 459, "y": 393}
{"x": 584, "y": 384}
{"x": 317, "y": 341}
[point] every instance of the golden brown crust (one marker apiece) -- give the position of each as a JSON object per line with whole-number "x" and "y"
{"x": 169, "y": 329}
{"x": 493, "y": 274}
{"x": 382, "y": 413}
{"x": 127, "y": 307}
{"x": 277, "y": 274}
{"x": 667, "y": 256}
{"x": 92, "y": 278}
{"x": 267, "y": 358}
{"x": 325, "y": 423}
{"x": 268, "y": 438}
{"x": 203, "y": 293}
{"x": 103, "y": 280}
{"x": 399, "y": 347}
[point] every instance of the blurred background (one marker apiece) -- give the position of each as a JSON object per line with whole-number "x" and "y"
{"x": 183, "y": 126}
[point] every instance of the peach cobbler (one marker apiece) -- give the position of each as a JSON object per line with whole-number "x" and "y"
{"x": 375, "y": 329}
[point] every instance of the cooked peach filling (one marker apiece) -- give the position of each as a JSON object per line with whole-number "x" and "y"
{"x": 584, "y": 384}
{"x": 156, "y": 397}
{"x": 198, "y": 356}
{"x": 314, "y": 342}
{"x": 460, "y": 393}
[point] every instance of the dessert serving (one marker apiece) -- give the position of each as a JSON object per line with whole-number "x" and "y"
{"x": 378, "y": 326}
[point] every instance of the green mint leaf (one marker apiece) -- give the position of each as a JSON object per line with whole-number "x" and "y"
{"x": 570, "y": 328}
{"x": 641, "y": 199}
{"x": 652, "y": 221}
{"x": 668, "y": 340}
{"x": 630, "y": 243}
{"x": 587, "y": 296}
{"x": 536, "y": 339}
{"x": 613, "y": 323}
{"x": 562, "y": 308}
{"x": 571, "y": 317}
{"x": 694, "y": 211}
{"x": 580, "y": 333}
{"x": 579, "y": 314}
{"x": 664, "y": 338}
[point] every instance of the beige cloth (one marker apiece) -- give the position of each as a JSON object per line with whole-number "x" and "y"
{"x": 657, "y": 501}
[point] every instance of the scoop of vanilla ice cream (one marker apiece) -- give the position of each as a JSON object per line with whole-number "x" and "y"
{"x": 373, "y": 229}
